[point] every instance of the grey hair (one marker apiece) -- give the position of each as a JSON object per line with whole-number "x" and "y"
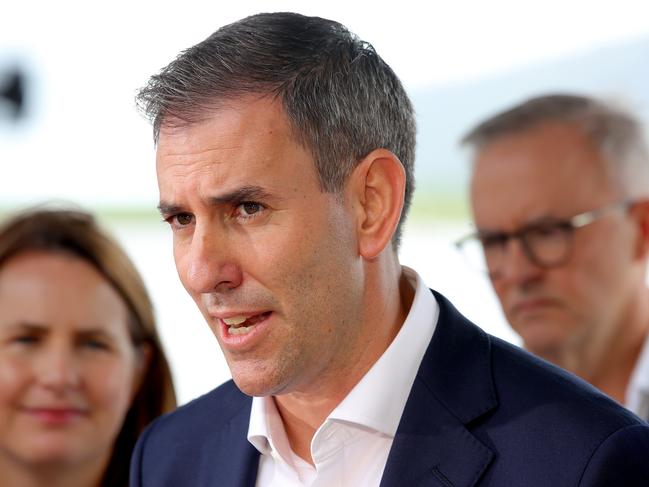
{"x": 615, "y": 131}
{"x": 341, "y": 99}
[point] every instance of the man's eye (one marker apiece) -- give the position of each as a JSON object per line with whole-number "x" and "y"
{"x": 184, "y": 219}
{"x": 548, "y": 231}
{"x": 249, "y": 209}
{"x": 493, "y": 241}
{"x": 180, "y": 220}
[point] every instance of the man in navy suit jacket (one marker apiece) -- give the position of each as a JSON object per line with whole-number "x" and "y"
{"x": 285, "y": 153}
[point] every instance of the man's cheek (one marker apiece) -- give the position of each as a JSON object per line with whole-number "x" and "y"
{"x": 182, "y": 269}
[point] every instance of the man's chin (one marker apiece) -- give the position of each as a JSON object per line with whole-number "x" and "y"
{"x": 253, "y": 392}
{"x": 256, "y": 385}
{"x": 541, "y": 338}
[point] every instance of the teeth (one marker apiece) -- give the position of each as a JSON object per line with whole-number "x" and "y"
{"x": 234, "y": 320}
{"x": 242, "y": 330}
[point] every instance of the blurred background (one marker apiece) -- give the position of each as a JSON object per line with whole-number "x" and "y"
{"x": 69, "y": 130}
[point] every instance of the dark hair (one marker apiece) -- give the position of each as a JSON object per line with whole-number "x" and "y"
{"x": 342, "y": 100}
{"x": 76, "y": 233}
{"x": 613, "y": 130}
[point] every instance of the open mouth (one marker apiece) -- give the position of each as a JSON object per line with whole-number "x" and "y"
{"x": 240, "y": 325}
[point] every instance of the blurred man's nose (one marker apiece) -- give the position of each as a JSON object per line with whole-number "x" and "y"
{"x": 210, "y": 264}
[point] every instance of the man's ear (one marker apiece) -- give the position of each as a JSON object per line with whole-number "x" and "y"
{"x": 640, "y": 213}
{"x": 377, "y": 187}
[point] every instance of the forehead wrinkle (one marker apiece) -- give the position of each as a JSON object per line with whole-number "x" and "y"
{"x": 196, "y": 168}
{"x": 210, "y": 156}
{"x": 170, "y": 153}
{"x": 207, "y": 185}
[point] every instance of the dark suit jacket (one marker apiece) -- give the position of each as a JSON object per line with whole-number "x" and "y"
{"x": 481, "y": 412}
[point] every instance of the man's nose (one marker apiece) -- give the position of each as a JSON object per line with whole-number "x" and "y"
{"x": 210, "y": 264}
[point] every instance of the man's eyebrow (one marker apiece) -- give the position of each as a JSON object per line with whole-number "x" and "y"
{"x": 534, "y": 223}
{"x": 169, "y": 209}
{"x": 544, "y": 220}
{"x": 238, "y": 195}
{"x": 244, "y": 193}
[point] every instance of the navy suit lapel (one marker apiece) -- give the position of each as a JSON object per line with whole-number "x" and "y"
{"x": 433, "y": 446}
{"x": 238, "y": 458}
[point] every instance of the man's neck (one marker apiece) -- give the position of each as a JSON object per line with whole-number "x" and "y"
{"x": 612, "y": 372}
{"x": 609, "y": 362}
{"x": 303, "y": 412}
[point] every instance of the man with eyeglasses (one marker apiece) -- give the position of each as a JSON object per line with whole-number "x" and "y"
{"x": 560, "y": 199}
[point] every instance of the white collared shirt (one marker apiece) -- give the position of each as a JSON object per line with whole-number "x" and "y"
{"x": 351, "y": 447}
{"x": 637, "y": 394}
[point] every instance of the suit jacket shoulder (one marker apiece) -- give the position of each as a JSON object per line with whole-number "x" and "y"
{"x": 484, "y": 412}
{"x": 201, "y": 443}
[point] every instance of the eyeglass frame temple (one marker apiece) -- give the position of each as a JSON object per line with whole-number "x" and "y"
{"x": 588, "y": 217}
{"x": 577, "y": 221}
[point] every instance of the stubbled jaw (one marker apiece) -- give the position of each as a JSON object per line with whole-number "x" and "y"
{"x": 241, "y": 325}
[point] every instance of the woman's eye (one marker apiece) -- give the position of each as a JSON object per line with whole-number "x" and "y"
{"x": 95, "y": 344}
{"x": 25, "y": 339}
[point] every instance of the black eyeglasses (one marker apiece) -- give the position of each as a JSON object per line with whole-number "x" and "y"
{"x": 546, "y": 243}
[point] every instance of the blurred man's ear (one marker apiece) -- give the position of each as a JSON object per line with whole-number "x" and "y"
{"x": 640, "y": 212}
{"x": 377, "y": 188}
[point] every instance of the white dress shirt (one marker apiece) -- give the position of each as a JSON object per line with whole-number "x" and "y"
{"x": 351, "y": 447}
{"x": 637, "y": 394}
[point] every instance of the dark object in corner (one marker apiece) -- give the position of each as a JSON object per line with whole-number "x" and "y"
{"x": 12, "y": 93}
